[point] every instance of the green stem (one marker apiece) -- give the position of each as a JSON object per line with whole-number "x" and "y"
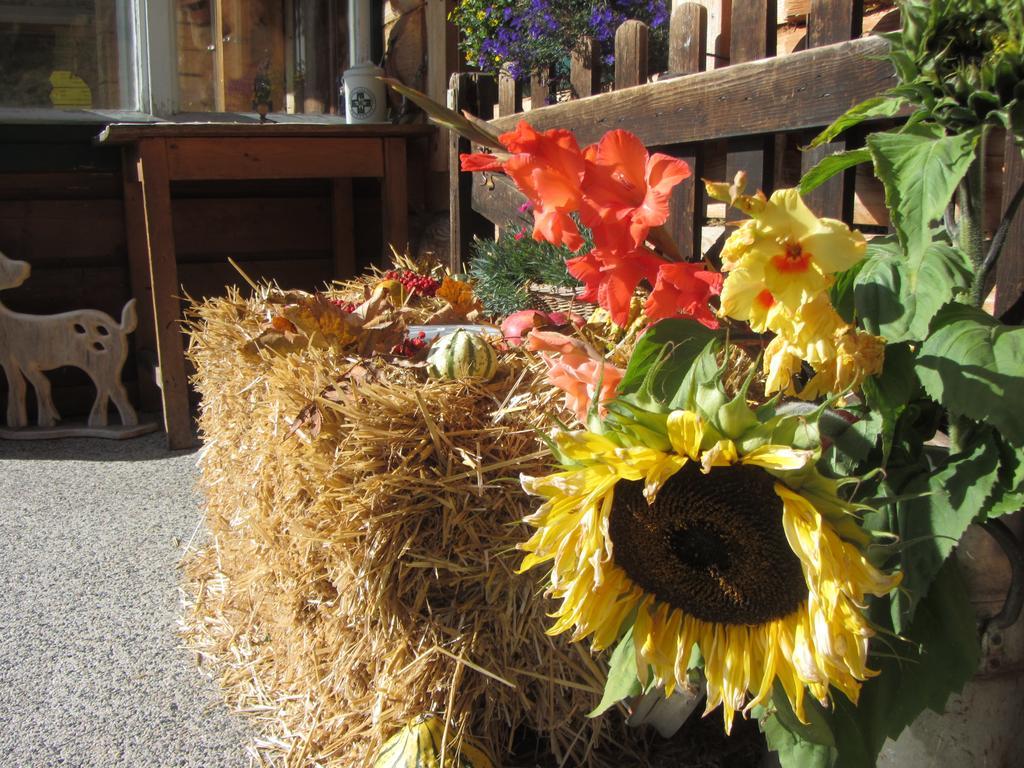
{"x": 971, "y": 197}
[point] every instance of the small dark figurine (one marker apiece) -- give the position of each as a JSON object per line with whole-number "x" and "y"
{"x": 262, "y": 102}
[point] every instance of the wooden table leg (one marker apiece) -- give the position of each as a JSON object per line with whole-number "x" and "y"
{"x": 395, "y": 198}
{"x": 163, "y": 270}
{"x": 342, "y": 230}
{"x": 142, "y": 289}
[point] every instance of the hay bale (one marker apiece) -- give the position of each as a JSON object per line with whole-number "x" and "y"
{"x": 360, "y": 564}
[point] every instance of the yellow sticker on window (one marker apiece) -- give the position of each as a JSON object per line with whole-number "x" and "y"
{"x": 69, "y": 90}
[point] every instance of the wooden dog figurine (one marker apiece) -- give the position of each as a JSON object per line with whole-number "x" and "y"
{"x": 87, "y": 339}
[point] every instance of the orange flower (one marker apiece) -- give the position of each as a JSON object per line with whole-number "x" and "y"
{"x": 577, "y": 369}
{"x": 547, "y": 167}
{"x": 481, "y": 161}
{"x": 684, "y": 289}
{"x": 627, "y": 189}
{"x": 610, "y": 277}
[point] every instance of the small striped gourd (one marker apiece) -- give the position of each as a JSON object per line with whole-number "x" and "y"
{"x": 418, "y": 745}
{"x": 461, "y": 355}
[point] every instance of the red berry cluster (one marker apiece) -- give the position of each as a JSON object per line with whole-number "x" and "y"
{"x": 421, "y": 284}
{"x": 344, "y": 306}
{"x": 409, "y": 347}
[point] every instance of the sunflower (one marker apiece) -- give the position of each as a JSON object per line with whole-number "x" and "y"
{"x": 723, "y": 537}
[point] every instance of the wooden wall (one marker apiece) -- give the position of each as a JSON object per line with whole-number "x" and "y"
{"x": 61, "y": 211}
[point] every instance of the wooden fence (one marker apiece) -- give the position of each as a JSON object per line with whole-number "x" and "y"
{"x": 734, "y": 117}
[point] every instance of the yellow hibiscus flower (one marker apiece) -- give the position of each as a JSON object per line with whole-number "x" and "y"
{"x": 788, "y": 251}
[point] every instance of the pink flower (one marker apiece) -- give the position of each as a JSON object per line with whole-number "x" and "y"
{"x": 577, "y": 369}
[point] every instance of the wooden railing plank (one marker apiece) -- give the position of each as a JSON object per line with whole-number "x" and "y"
{"x": 542, "y": 89}
{"x": 688, "y": 39}
{"x": 687, "y": 54}
{"x": 630, "y": 54}
{"x": 585, "y": 69}
{"x": 510, "y": 95}
{"x": 832, "y": 21}
{"x": 804, "y": 90}
{"x": 753, "y": 38}
{"x": 499, "y": 201}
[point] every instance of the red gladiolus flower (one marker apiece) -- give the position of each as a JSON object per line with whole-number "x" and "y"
{"x": 684, "y": 289}
{"x": 480, "y": 161}
{"x": 548, "y": 168}
{"x": 610, "y": 278}
{"x": 627, "y": 188}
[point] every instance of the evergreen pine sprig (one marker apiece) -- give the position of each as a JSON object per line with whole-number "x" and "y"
{"x": 502, "y": 270}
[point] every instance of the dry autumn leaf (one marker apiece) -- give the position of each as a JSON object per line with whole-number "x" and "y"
{"x": 459, "y": 296}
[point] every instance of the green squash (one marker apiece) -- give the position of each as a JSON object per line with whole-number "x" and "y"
{"x": 462, "y": 355}
{"x": 418, "y": 745}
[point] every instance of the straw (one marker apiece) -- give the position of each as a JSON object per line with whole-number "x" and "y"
{"x": 360, "y": 566}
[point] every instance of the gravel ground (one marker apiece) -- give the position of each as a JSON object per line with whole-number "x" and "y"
{"x": 92, "y": 673}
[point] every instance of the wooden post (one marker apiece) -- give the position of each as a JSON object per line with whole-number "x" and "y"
{"x": 541, "y": 88}
{"x": 832, "y": 21}
{"x": 510, "y": 95}
{"x": 753, "y": 37}
{"x": 142, "y": 288}
{"x": 1010, "y": 269}
{"x": 217, "y": 31}
{"x": 630, "y": 54}
{"x": 442, "y": 59}
{"x": 464, "y": 222}
{"x": 585, "y": 69}
{"x": 719, "y": 31}
{"x": 163, "y": 277}
{"x": 395, "y": 199}
{"x": 342, "y": 225}
{"x": 687, "y": 54}
{"x": 486, "y": 97}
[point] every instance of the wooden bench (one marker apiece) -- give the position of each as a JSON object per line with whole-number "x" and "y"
{"x": 157, "y": 154}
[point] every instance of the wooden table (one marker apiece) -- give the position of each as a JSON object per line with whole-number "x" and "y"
{"x": 156, "y": 154}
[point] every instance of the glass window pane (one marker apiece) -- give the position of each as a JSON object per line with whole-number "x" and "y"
{"x": 67, "y": 54}
{"x": 254, "y": 55}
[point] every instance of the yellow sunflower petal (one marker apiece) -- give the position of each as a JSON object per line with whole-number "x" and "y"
{"x": 685, "y": 432}
{"x": 721, "y": 454}
{"x": 777, "y": 457}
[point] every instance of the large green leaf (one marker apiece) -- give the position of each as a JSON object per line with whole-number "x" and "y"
{"x": 659, "y": 376}
{"x": 841, "y": 291}
{"x": 830, "y": 165}
{"x": 974, "y": 366}
{"x": 889, "y": 392}
{"x": 920, "y": 168}
{"x": 799, "y": 745}
{"x": 942, "y": 655}
{"x": 893, "y": 302}
{"x": 1008, "y": 496}
{"x": 878, "y": 106}
{"x": 622, "y": 680}
{"x": 931, "y": 524}
{"x": 794, "y": 751}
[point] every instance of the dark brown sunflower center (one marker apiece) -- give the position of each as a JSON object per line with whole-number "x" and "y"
{"x": 711, "y": 545}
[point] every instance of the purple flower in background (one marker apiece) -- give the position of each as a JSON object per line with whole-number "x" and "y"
{"x": 523, "y": 36}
